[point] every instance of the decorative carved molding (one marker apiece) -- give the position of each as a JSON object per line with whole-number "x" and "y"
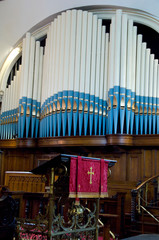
{"x": 85, "y": 141}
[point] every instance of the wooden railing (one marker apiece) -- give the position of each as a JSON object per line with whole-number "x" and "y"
{"x": 145, "y": 199}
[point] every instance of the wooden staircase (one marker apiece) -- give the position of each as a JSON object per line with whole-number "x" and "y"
{"x": 144, "y": 217}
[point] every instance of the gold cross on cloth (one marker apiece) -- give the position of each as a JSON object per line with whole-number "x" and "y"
{"x": 90, "y": 173}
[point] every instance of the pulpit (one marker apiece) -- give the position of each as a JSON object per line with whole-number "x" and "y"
{"x": 72, "y": 181}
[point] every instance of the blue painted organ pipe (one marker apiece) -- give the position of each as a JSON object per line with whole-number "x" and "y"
{"x": 123, "y": 71}
{"x": 85, "y": 81}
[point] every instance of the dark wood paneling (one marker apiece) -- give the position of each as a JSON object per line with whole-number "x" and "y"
{"x": 147, "y": 164}
{"x": 133, "y": 163}
{"x": 133, "y": 167}
{"x": 18, "y": 160}
{"x": 146, "y": 140}
{"x": 156, "y": 161}
{"x": 119, "y": 169}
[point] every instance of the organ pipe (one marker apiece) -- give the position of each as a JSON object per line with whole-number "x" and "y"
{"x": 84, "y": 81}
{"x": 145, "y": 92}
{"x": 71, "y": 69}
{"x": 137, "y": 85}
{"x": 82, "y": 70}
{"x": 123, "y": 71}
{"x": 97, "y": 76}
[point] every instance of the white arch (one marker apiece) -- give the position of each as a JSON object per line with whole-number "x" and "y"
{"x": 103, "y": 12}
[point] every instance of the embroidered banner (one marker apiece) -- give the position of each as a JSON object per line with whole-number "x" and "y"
{"x": 88, "y": 178}
{"x": 73, "y": 178}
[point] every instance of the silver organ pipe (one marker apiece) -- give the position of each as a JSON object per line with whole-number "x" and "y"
{"x": 35, "y": 88}
{"x": 101, "y": 80}
{"x": 148, "y": 75}
{"x": 117, "y": 64}
{"x": 30, "y": 85}
{"x": 154, "y": 100}
{"x": 92, "y": 73}
{"x": 61, "y": 73}
{"x": 129, "y": 75}
{"x": 111, "y": 76}
{"x": 8, "y": 113}
{"x": 49, "y": 132}
{"x": 3, "y": 119}
{"x": 11, "y": 107}
{"x": 39, "y": 92}
{"x": 123, "y": 71}
{"x": 66, "y": 71}
{"x": 85, "y": 81}
{"x": 77, "y": 71}
{"x": 71, "y": 70}
{"x": 134, "y": 45}
{"x": 24, "y": 85}
{"x": 151, "y": 80}
{"x": 43, "y": 111}
{"x": 56, "y": 103}
{"x": 51, "y": 75}
{"x": 17, "y": 100}
{"x": 47, "y": 87}
{"x": 137, "y": 85}
{"x": 97, "y": 76}
{"x": 55, "y": 57}
{"x": 105, "y": 88}
{"x": 82, "y": 70}
{"x": 157, "y": 105}
{"x": 87, "y": 72}
{"x": 144, "y": 73}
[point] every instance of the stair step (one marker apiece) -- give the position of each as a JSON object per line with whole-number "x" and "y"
{"x": 153, "y": 207}
{"x": 139, "y": 232}
{"x": 148, "y": 223}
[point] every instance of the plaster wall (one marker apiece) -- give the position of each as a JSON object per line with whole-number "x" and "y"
{"x": 19, "y": 16}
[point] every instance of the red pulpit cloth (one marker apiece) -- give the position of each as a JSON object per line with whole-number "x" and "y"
{"x": 88, "y": 178}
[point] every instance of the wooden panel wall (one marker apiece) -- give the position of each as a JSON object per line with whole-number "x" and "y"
{"x": 133, "y": 164}
{"x": 17, "y": 160}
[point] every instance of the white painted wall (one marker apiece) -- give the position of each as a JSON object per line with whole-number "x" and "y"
{"x": 19, "y": 16}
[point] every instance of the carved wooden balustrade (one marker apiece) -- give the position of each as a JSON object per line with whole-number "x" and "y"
{"x": 24, "y": 181}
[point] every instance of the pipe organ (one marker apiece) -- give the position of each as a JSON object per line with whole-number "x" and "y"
{"x": 84, "y": 81}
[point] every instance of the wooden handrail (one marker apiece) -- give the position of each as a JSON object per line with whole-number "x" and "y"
{"x": 137, "y": 193}
{"x": 143, "y": 183}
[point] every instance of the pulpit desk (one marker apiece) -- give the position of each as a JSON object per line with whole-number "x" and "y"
{"x": 58, "y": 174}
